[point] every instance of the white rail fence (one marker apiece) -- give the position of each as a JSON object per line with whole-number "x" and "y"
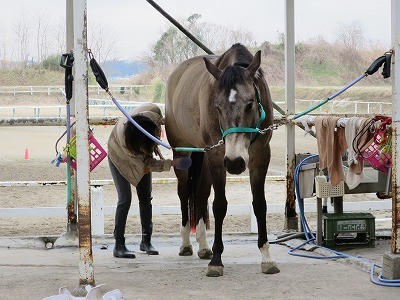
{"x": 104, "y": 107}
{"x": 55, "y": 89}
{"x": 99, "y": 211}
{"x": 97, "y": 107}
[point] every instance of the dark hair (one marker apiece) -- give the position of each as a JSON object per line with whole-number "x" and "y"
{"x": 135, "y": 140}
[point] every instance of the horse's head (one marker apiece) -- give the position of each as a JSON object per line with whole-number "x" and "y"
{"x": 235, "y": 98}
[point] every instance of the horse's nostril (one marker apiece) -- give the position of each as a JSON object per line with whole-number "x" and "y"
{"x": 236, "y": 166}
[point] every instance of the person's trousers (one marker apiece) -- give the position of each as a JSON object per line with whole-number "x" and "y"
{"x": 124, "y": 191}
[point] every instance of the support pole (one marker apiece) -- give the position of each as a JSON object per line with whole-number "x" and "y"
{"x": 391, "y": 261}
{"x": 291, "y": 219}
{"x": 86, "y": 272}
{"x": 71, "y": 188}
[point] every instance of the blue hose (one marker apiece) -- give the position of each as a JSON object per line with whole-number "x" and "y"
{"x": 153, "y": 138}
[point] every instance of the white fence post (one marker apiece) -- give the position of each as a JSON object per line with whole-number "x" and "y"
{"x": 97, "y": 212}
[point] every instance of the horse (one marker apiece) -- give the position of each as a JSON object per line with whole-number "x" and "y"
{"x": 223, "y": 105}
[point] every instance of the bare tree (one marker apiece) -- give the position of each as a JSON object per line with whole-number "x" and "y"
{"x": 21, "y": 29}
{"x": 3, "y": 49}
{"x": 350, "y": 40}
{"x": 101, "y": 41}
{"x": 41, "y": 19}
{"x": 59, "y": 34}
{"x": 351, "y": 36}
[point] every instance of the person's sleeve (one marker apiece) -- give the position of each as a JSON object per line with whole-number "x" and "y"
{"x": 157, "y": 165}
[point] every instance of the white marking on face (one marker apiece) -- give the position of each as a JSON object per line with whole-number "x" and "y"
{"x": 236, "y": 146}
{"x": 232, "y": 95}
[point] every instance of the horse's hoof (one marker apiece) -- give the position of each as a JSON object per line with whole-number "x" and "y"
{"x": 269, "y": 267}
{"x": 186, "y": 251}
{"x": 205, "y": 253}
{"x": 215, "y": 271}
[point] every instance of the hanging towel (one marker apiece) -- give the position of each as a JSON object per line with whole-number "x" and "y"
{"x": 332, "y": 145}
{"x": 355, "y": 173}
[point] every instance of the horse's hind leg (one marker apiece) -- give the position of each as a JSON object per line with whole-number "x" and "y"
{"x": 258, "y": 171}
{"x": 183, "y": 193}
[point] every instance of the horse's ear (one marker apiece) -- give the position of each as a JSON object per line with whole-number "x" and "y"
{"x": 255, "y": 64}
{"x": 213, "y": 69}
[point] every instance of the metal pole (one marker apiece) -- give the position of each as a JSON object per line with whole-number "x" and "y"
{"x": 71, "y": 188}
{"x": 391, "y": 260}
{"x": 86, "y": 272}
{"x": 291, "y": 219}
{"x": 396, "y": 131}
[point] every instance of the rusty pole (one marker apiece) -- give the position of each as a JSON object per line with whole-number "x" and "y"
{"x": 86, "y": 270}
{"x": 291, "y": 219}
{"x": 395, "y": 127}
{"x": 71, "y": 192}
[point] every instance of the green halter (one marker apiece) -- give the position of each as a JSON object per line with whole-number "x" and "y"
{"x": 233, "y": 129}
{"x": 248, "y": 129}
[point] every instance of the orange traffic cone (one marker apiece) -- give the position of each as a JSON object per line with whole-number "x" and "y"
{"x": 26, "y": 157}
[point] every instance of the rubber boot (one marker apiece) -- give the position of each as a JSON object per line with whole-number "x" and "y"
{"x": 120, "y": 249}
{"x": 147, "y": 229}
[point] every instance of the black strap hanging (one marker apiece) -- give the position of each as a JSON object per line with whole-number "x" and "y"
{"x": 384, "y": 60}
{"x": 67, "y": 61}
{"x": 98, "y": 72}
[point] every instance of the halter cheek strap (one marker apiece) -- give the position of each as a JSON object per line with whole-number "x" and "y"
{"x": 248, "y": 129}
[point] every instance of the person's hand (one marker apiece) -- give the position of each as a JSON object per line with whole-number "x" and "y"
{"x": 157, "y": 152}
{"x": 182, "y": 162}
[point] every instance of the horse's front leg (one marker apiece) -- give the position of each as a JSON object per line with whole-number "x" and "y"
{"x": 202, "y": 193}
{"x": 201, "y": 237}
{"x": 258, "y": 170}
{"x": 216, "y": 267}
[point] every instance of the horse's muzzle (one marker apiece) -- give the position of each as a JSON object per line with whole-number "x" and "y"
{"x": 236, "y": 166}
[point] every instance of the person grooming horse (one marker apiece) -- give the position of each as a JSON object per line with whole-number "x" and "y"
{"x": 130, "y": 156}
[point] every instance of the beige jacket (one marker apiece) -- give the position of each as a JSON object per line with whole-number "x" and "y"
{"x": 130, "y": 165}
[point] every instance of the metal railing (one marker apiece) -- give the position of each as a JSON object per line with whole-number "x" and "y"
{"x": 97, "y": 107}
{"x": 105, "y": 107}
{"x": 55, "y": 89}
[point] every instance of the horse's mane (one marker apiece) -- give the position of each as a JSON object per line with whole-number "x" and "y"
{"x": 233, "y": 63}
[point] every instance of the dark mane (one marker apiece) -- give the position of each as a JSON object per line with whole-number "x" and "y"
{"x": 235, "y": 60}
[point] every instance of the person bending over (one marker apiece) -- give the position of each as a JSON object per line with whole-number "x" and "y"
{"x": 130, "y": 156}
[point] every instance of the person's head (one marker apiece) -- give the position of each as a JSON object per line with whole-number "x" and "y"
{"x": 135, "y": 140}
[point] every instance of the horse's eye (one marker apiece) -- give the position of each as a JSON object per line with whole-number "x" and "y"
{"x": 249, "y": 106}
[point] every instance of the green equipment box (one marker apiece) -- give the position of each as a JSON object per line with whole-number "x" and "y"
{"x": 357, "y": 229}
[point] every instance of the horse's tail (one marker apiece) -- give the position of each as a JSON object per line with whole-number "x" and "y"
{"x": 196, "y": 171}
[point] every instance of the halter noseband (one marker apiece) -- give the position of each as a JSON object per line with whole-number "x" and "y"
{"x": 248, "y": 129}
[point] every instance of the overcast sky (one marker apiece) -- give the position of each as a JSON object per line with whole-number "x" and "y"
{"x": 136, "y": 25}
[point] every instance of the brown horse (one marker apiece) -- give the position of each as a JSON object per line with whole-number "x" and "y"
{"x": 212, "y": 99}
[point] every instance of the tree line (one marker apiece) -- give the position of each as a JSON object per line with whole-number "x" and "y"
{"x": 318, "y": 61}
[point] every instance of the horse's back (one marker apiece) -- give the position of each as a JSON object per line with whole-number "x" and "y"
{"x": 185, "y": 86}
